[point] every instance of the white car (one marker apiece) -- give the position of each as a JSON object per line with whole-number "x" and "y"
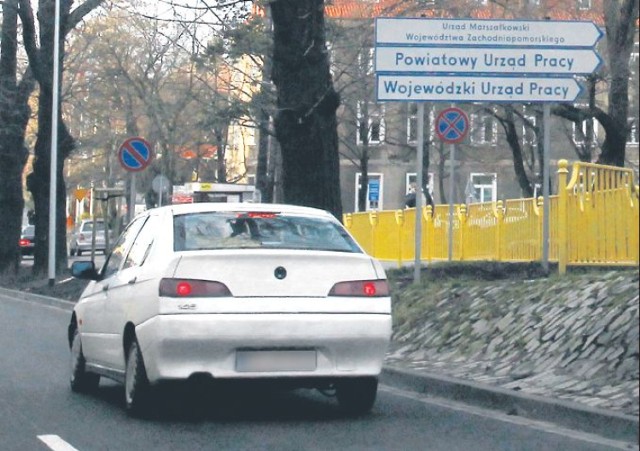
{"x": 233, "y": 291}
{"x": 81, "y": 239}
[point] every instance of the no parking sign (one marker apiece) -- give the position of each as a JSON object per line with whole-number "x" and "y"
{"x": 452, "y": 125}
{"x": 135, "y": 154}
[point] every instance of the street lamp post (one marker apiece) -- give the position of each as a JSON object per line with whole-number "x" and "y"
{"x": 53, "y": 175}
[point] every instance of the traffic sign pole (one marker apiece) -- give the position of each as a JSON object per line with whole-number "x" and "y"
{"x": 451, "y": 191}
{"x": 132, "y": 197}
{"x": 546, "y": 178}
{"x": 452, "y": 125}
{"x": 134, "y": 155}
{"x": 419, "y": 182}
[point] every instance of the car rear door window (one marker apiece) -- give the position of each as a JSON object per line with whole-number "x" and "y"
{"x": 119, "y": 252}
{"x": 142, "y": 244}
{"x": 238, "y": 230}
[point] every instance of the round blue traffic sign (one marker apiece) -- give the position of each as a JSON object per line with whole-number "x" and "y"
{"x": 452, "y": 125}
{"x": 135, "y": 154}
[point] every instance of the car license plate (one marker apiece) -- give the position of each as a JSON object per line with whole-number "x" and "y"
{"x": 275, "y": 360}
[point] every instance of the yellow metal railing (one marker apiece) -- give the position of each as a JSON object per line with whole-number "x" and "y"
{"x": 594, "y": 220}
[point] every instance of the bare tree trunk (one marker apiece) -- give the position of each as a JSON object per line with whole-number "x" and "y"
{"x": 620, "y": 20}
{"x": 14, "y": 114}
{"x": 264, "y": 178}
{"x": 508, "y": 123}
{"x": 306, "y": 125}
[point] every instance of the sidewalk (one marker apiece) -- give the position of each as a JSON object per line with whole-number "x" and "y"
{"x": 557, "y": 399}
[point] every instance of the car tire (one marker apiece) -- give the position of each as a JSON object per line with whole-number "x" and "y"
{"x": 81, "y": 380}
{"x": 136, "y": 385}
{"x": 356, "y": 396}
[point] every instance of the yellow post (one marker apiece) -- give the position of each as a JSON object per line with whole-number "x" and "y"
{"x": 462, "y": 217}
{"x": 428, "y": 231}
{"x": 373, "y": 221}
{"x": 563, "y": 173}
{"x": 499, "y": 213}
{"x": 636, "y": 233}
{"x": 347, "y": 220}
{"x": 400, "y": 222}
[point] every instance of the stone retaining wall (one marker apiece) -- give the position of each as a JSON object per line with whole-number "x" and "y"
{"x": 574, "y": 337}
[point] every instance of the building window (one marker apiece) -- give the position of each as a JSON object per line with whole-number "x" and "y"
{"x": 412, "y": 123}
{"x": 374, "y": 191}
{"x": 410, "y": 185}
{"x": 484, "y": 129}
{"x": 584, "y": 4}
{"x": 482, "y": 187}
{"x": 632, "y": 137}
{"x": 373, "y": 117}
{"x": 580, "y": 132}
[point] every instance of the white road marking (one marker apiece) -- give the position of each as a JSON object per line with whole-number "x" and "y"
{"x": 513, "y": 419}
{"x": 55, "y": 443}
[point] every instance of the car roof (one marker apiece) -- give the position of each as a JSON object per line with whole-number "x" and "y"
{"x": 205, "y": 207}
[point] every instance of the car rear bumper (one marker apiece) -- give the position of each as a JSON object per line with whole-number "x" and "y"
{"x": 82, "y": 246}
{"x": 27, "y": 250}
{"x": 340, "y": 345}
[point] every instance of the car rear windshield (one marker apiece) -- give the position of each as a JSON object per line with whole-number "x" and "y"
{"x": 88, "y": 226}
{"x": 240, "y": 230}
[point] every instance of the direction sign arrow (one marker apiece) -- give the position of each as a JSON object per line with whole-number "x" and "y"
{"x": 503, "y": 33}
{"x": 449, "y": 88}
{"x": 485, "y": 60}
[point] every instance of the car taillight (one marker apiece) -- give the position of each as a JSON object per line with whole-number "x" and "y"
{"x": 361, "y": 288}
{"x": 192, "y": 288}
{"x": 24, "y": 242}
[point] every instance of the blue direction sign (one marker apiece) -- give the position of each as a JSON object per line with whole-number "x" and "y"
{"x": 500, "y": 33}
{"x": 135, "y": 154}
{"x": 452, "y": 125}
{"x": 449, "y": 88}
{"x": 486, "y": 60}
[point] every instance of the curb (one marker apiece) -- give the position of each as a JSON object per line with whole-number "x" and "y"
{"x": 25, "y": 296}
{"x": 568, "y": 414}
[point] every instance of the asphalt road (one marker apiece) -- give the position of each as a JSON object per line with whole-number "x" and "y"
{"x": 39, "y": 412}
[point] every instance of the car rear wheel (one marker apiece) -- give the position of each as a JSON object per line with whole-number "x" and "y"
{"x": 81, "y": 380}
{"x": 136, "y": 386}
{"x": 356, "y": 396}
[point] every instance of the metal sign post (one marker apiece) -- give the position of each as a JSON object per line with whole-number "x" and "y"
{"x": 546, "y": 179}
{"x": 419, "y": 182}
{"x": 53, "y": 169}
{"x": 452, "y": 125}
{"x": 134, "y": 155}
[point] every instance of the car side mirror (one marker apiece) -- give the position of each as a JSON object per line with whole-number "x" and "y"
{"x": 85, "y": 270}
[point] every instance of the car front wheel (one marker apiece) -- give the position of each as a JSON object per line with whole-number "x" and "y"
{"x": 356, "y": 396}
{"x": 136, "y": 386}
{"x": 81, "y": 381}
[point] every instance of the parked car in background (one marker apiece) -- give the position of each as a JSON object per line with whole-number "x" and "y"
{"x": 81, "y": 237}
{"x": 27, "y": 240}
{"x": 233, "y": 291}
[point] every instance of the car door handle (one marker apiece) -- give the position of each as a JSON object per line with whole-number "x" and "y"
{"x": 132, "y": 281}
